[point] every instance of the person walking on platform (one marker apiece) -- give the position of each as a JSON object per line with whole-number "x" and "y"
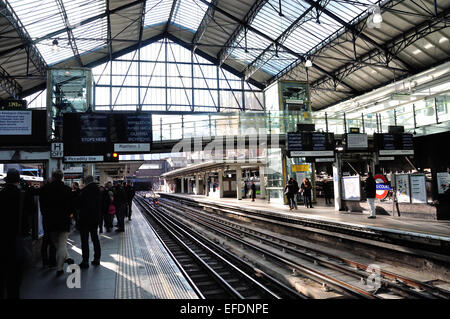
{"x": 13, "y": 201}
{"x": 120, "y": 204}
{"x": 253, "y": 190}
{"x": 76, "y": 214}
{"x": 129, "y": 190}
{"x": 290, "y": 190}
{"x": 48, "y": 249}
{"x": 108, "y": 208}
{"x": 306, "y": 191}
{"x": 370, "y": 189}
{"x": 327, "y": 192}
{"x": 56, "y": 200}
{"x": 90, "y": 204}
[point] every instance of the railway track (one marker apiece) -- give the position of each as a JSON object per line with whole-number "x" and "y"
{"x": 213, "y": 272}
{"x": 319, "y": 265}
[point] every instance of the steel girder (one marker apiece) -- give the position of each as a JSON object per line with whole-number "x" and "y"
{"x": 207, "y": 18}
{"x": 393, "y": 47}
{"x": 9, "y": 84}
{"x": 72, "y": 42}
{"x": 225, "y": 52}
{"x": 169, "y": 19}
{"x": 33, "y": 53}
{"x": 271, "y": 50}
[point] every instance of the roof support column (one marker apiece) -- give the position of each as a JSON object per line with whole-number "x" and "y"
{"x": 220, "y": 183}
{"x": 197, "y": 185}
{"x": 262, "y": 182}
{"x": 182, "y": 185}
{"x": 239, "y": 182}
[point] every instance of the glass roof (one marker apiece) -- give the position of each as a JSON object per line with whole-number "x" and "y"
{"x": 44, "y": 20}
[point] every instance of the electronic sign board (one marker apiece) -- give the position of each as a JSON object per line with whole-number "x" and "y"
{"x": 394, "y": 143}
{"x": 310, "y": 144}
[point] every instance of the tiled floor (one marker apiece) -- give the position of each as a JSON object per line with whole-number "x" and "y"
{"x": 134, "y": 265}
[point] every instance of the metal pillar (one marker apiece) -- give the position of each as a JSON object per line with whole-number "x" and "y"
{"x": 337, "y": 182}
{"x": 262, "y": 182}
{"x": 239, "y": 182}
{"x": 182, "y": 185}
{"x": 197, "y": 185}
{"x": 220, "y": 183}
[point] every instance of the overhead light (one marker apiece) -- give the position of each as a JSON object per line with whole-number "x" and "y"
{"x": 428, "y": 46}
{"x": 443, "y": 39}
{"x": 55, "y": 46}
{"x": 308, "y": 63}
{"x": 417, "y": 51}
{"x": 377, "y": 18}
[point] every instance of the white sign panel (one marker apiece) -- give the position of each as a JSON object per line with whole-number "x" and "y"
{"x": 402, "y": 188}
{"x": 418, "y": 189}
{"x": 396, "y": 152}
{"x": 351, "y": 188}
{"x": 311, "y": 153}
{"x": 132, "y": 147}
{"x": 325, "y": 159}
{"x": 389, "y": 158}
{"x": 57, "y": 150}
{"x": 15, "y": 122}
{"x": 357, "y": 141}
{"x": 84, "y": 158}
{"x": 443, "y": 178}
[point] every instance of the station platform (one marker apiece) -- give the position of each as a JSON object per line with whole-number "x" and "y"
{"x": 134, "y": 265}
{"x": 419, "y": 228}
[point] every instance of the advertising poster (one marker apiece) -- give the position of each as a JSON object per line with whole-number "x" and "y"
{"x": 351, "y": 188}
{"x": 418, "y": 189}
{"x": 300, "y": 176}
{"x": 443, "y": 178}
{"x": 402, "y": 185}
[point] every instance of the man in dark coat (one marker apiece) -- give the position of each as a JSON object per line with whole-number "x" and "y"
{"x": 129, "y": 190}
{"x": 12, "y": 216}
{"x": 90, "y": 204}
{"x": 370, "y": 189}
{"x": 290, "y": 190}
{"x": 306, "y": 191}
{"x": 120, "y": 202}
{"x": 56, "y": 207}
{"x": 253, "y": 189}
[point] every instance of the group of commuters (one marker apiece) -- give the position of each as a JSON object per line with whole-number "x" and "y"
{"x": 252, "y": 193}
{"x": 292, "y": 190}
{"x": 92, "y": 207}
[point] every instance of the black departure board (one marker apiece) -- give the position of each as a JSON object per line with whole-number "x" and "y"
{"x": 98, "y": 133}
{"x": 310, "y": 144}
{"x": 394, "y": 143}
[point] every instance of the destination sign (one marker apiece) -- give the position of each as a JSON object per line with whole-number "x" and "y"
{"x": 310, "y": 144}
{"x": 394, "y": 143}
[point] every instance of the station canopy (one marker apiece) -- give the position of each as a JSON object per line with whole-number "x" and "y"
{"x": 261, "y": 41}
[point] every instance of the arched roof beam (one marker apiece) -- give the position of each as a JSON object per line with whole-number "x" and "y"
{"x": 169, "y": 19}
{"x": 33, "y": 53}
{"x": 225, "y": 52}
{"x": 207, "y": 18}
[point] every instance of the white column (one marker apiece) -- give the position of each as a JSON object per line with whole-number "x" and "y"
{"x": 262, "y": 185}
{"x": 182, "y": 185}
{"x": 337, "y": 183}
{"x": 220, "y": 183}
{"x": 197, "y": 185}
{"x": 206, "y": 185}
{"x": 239, "y": 182}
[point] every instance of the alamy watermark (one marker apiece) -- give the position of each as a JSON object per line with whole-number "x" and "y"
{"x": 74, "y": 279}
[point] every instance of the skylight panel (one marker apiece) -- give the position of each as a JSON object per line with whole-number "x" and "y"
{"x": 40, "y": 18}
{"x": 189, "y": 14}
{"x": 79, "y": 10}
{"x": 91, "y": 36}
{"x": 157, "y": 12}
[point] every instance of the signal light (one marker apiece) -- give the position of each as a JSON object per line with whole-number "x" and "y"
{"x": 115, "y": 155}
{"x": 111, "y": 157}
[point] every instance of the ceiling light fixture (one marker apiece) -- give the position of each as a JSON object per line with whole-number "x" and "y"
{"x": 55, "y": 45}
{"x": 308, "y": 63}
{"x": 377, "y": 18}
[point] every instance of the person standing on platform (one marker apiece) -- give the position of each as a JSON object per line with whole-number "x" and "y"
{"x": 370, "y": 189}
{"x": 56, "y": 200}
{"x": 90, "y": 204}
{"x": 76, "y": 214}
{"x": 306, "y": 191}
{"x": 245, "y": 189}
{"x": 108, "y": 210}
{"x": 130, "y": 192}
{"x": 327, "y": 192}
{"x": 290, "y": 192}
{"x": 120, "y": 204}
{"x": 253, "y": 189}
{"x": 13, "y": 201}
{"x": 48, "y": 249}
